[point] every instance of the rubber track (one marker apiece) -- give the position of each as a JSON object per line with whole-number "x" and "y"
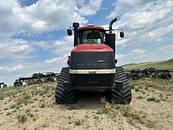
{"x": 122, "y": 94}
{"x": 64, "y": 94}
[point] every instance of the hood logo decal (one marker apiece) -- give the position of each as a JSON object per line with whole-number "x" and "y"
{"x": 100, "y": 61}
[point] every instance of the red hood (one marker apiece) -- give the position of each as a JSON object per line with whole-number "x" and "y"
{"x": 92, "y": 48}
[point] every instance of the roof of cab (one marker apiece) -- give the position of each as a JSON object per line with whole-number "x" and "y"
{"x": 89, "y": 27}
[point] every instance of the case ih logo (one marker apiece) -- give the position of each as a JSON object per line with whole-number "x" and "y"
{"x": 100, "y": 61}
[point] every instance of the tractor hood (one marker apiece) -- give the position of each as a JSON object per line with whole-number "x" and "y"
{"x": 92, "y": 56}
{"x": 92, "y": 48}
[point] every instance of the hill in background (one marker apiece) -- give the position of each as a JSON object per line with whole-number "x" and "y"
{"x": 167, "y": 64}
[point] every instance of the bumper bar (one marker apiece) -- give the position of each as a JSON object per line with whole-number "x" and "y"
{"x": 92, "y": 71}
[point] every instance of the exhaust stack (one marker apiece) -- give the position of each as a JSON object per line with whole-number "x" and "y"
{"x": 110, "y": 25}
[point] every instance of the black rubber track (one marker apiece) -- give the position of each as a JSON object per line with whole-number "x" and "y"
{"x": 64, "y": 94}
{"x": 121, "y": 94}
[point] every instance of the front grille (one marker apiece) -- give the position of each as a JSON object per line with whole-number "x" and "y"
{"x": 92, "y": 81}
{"x": 92, "y": 60}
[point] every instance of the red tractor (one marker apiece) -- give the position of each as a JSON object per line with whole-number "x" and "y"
{"x": 92, "y": 66}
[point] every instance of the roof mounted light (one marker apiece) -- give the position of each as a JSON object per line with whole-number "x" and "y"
{"x": 75, "y": 25}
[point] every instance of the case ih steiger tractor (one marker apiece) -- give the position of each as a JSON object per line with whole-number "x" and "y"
{"x": 92, "y": 66}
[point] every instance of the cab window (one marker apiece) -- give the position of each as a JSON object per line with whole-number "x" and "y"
{"x": 92, "y": 36}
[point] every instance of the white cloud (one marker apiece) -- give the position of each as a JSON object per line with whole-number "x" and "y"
{"x": 14, "y": 49}
{"x": 147, "y": 15}
{"x": 123, "y": 6}
{"x": 161, "y": 31}
{"x": 59, "y": 47}
{"x": 143, "y": 21}
{"x": 137, "y": 52}
{"x": 9, "y": 22}
{"x": 44, "y": 15}
{"x": 12, "y": 68}
{"x": 168, "y": 48}
{"x": 58, "y": 61}
{"x": 90, "y": 7}
{"x": 136, "y": 55}
{"x": 54, "y": 60}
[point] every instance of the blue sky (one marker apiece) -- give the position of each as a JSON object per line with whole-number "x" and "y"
{"x": 33, "y": 32}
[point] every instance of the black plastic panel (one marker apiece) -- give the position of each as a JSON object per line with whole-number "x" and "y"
{"x": 92, "y": 60}
{"x": 92, "y": 81}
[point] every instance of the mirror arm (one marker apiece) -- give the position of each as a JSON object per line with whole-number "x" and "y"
{"x": 115, "y": 29}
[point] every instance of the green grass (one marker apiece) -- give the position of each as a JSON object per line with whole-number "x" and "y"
{"x": 103, "y": 111}
{"x": 168, "y": 64}
{"x": 25, "y": 99}
{"x": 9, "y": 92}
{"x": 26, "y": 95}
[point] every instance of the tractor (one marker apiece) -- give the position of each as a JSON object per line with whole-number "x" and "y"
{"x": 92, "y": 66}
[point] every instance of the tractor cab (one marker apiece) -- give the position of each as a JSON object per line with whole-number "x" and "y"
{"x": 91, "y": 35}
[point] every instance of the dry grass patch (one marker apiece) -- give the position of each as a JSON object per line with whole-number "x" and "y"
{"x": 21, "y": 118}
{"x": 160, "y": 84}
{"x": 25, "y": 99}
{"x": 153, "y": 99}
{"x": 78, "y": 122}
{"x": 135, "y": 117}
{"x": 103, "y": 111}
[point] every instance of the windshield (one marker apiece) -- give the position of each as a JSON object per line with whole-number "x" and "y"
{"x": 92, "y": 36}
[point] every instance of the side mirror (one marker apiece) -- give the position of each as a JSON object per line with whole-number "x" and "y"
{"x": 69, "y": 32}
{"x": 122, "y": 34}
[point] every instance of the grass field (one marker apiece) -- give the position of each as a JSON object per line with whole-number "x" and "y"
{"x": 33, "y": 108}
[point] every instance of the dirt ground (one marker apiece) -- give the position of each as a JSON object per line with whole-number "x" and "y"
{"x": 34, "y": 108}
